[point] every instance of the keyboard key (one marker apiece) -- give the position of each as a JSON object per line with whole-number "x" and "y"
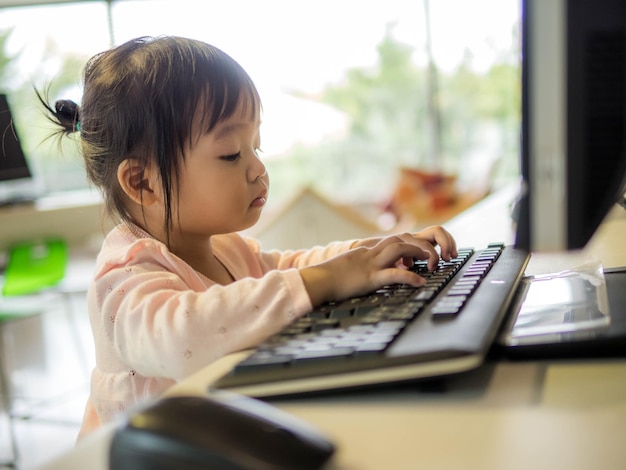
{"x": 320, "y": 355}
{"x": 258, "y": 362}
{"x": 325, "y": 323}
{"x": 445, "y": 311}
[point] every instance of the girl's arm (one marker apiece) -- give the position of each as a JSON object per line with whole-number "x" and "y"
{"x": 275, "y": 259}
{"x": 161, "y": 327}
{"x": 375, "y": 262}
{"x": 435, "y": 236}
{"x": 342, "y": 270}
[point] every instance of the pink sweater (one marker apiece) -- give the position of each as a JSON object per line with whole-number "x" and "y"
{"x": 155, "y": 320}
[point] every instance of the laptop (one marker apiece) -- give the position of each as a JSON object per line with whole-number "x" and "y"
{"x": 17, "y": 185}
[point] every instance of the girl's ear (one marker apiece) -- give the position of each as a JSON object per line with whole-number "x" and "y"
{"x": 138, "y": 181}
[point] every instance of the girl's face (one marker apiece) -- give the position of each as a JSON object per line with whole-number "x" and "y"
{"x": 223, "y": 184}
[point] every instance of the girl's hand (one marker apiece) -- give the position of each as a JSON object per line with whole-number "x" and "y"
{"x": 374, "y": 262}
{"x": 435, "y": 235}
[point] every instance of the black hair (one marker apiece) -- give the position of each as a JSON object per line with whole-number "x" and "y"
{"x": 140, "y": 99}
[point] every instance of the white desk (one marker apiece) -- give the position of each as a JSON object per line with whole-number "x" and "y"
{"x": 512, "y": 416}
{"x": 75, "y": 216}
{"x": 526, "y": 415}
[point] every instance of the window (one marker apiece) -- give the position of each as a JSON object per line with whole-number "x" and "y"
{"x": 351, "y": 90}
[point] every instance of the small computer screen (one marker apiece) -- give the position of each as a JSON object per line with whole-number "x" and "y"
{"x": 13, "y": 163}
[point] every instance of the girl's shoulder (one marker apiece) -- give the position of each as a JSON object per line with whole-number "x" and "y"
{"x": 127, "y": 251}
{"x": 125, "y": 235}
{"x": 126, "y": 244}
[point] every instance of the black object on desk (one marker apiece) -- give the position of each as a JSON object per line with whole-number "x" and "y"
{"x": 590, "y": 343}
{"x": 223, "y": 431}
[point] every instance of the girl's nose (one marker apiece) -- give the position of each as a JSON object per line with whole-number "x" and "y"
{"x": 257, "y": 168}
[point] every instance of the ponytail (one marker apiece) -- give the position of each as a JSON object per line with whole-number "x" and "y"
{"x": 65, "y": 114}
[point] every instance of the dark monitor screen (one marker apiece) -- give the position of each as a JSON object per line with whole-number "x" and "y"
{"x": 573, "y": 146}
{"x": 13, "y": 164}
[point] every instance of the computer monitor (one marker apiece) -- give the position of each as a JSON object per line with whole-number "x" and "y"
{"x": 17, "y": 185}
{"x": 12, "y": 160}
{"x": 573, "y": 139}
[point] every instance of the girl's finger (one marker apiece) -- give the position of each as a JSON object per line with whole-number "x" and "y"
{"x": 399, "y": 276}
{"x": 439, "y": 236}
{"x": 390, "y": 253}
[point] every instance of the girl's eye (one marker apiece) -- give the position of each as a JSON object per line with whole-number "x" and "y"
{"x": 232, "y": 158}
{"x": 258, "y": 152}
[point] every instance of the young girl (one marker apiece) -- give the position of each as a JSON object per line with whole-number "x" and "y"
{"x": 169, "y": 129}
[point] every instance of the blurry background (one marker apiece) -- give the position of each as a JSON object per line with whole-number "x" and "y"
{"x": 395, "y": 109}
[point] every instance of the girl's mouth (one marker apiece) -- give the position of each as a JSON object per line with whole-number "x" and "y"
{"x": 259, "y": 201}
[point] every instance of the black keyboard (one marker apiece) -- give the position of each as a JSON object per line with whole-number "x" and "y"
{"x": 396, "y": 333}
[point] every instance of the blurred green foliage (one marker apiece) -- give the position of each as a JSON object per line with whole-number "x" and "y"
{"x": 388, "y": 114}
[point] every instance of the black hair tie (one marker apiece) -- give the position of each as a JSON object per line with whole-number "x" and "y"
{"x": 68, "y": 111}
